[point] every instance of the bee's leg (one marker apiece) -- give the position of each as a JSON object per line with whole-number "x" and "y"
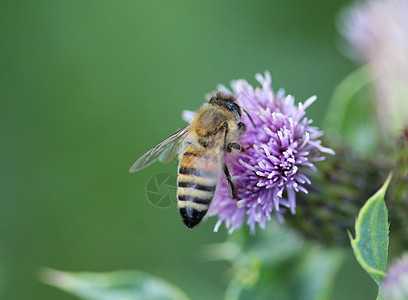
{"x": 235, "y": 146}
{"x": 241, "y": 128}
{"x": 229, "y": 182}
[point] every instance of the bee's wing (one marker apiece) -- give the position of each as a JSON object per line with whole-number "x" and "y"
{"x": 163, "y": 151}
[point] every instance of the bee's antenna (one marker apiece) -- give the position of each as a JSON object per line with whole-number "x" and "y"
{"x": 249, "y": 116}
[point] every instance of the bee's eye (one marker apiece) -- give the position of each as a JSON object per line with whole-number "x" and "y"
{"x": 234, "y": 107}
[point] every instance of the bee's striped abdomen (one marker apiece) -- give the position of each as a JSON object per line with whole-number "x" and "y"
{"x": 197, "y": 179}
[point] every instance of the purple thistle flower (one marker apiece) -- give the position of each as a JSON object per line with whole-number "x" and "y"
{"x": 395, "y": 285}
{"x": 268, "y": 174}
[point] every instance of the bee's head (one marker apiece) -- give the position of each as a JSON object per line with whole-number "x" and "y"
{"x": 228, "y": 101}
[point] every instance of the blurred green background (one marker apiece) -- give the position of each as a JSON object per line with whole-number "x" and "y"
{"x": 88, "y": 86}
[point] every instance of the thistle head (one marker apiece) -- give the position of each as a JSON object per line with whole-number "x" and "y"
{"x": 281, "y": 143}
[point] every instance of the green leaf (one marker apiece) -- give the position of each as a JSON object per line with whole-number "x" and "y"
{"x": 112, "y": 285}
{"x": 370, "y": 245}
{"x": 350, "y": 118}
{"x": 278, "y": 265}
{"x": 308, "y": 276}
{"x": 343, "y": 95}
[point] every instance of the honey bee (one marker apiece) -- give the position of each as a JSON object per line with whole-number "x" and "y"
{"x": 201, "y": 145}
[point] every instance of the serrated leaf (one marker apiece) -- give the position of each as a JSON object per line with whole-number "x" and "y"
{"x": 370, "y": 245}
{"x": 112, "y": 285}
